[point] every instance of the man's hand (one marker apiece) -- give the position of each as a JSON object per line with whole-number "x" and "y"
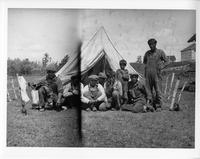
{"x": 92, "y": 101}
{"x": 76, "y": 92}
{"x": 58, "y": 103}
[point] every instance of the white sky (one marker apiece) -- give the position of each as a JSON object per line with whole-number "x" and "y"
{"x": 32, "y": 32}
{"x": 130, "y": 29}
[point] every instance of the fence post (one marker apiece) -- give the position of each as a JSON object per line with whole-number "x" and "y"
{"x": 170, "y": 88}
{"x": 174, "y": 94}
{"x": 8, "y": 97}
{"x": 13, "y": 87}
{"x": 179, "y": 97}
{"x": 166, "y": 83}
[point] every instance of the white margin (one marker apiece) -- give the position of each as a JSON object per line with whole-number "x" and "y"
{"x": 10, "y": 152}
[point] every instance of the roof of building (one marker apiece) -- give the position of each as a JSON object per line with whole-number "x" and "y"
{"x": 171, "y": 57}
{"x": 182, "y": 63}
{"x": 190, "y": 47}
{"x": 193, "y": 38}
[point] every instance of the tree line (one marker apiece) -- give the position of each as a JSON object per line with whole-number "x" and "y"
{"x": 27, "y": 67}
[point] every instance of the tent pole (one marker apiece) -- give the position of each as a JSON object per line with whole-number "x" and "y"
{"x": 104, "y": 64}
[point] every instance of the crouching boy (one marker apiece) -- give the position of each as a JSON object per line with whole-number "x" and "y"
{"x": 93, "y": 95}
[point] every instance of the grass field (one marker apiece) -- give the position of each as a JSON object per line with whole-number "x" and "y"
{"x": 40, "y": 129}
{"x": 165, "y": 129}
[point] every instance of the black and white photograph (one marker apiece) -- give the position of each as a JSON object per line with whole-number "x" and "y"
{"x": 119, "y": 79}
{"x": 40, "y": 108}
{"x": 143, "y": 64}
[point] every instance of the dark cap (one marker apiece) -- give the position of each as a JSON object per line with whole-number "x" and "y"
{"x": 122, "y": 62}
{"x": 134, "y": 75}
{"x": 152, "y": 41}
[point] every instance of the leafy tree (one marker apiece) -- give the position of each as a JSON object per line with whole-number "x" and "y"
{"x": 139, "y": 59}
{"x": 45, "y": 60}
{"x": 63, "y": 62}
{"x": 24, "y": 67}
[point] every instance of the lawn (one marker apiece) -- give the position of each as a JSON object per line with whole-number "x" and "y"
{"x": 40, "y": 129}
{"x": 165, "y": 129}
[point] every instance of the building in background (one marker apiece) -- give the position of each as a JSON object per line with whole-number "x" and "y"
{"x": 171, "y": 58}
{"x": 188, "y": 54}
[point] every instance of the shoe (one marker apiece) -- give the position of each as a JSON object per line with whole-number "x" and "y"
{"x": 150, "y": 108}
{"x": 41, "y": 109}
{"x": 158, "y": 110}
{"x": 88, "y": 109}
{"x": 94, "y": 109}
{"x": 113, "y": 109}
{"x": 64, "y": 107}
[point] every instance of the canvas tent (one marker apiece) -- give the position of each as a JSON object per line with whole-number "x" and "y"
{"x": 98, "y": 55}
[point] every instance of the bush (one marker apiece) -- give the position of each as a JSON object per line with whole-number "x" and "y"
{"x": 23, "y": 67}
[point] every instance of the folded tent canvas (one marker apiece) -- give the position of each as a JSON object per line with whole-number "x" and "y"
{"x": 98, "y": 55}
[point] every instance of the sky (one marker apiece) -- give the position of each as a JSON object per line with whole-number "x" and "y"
{"x": 130, "y": 30}
{"x": 33, "y": 32}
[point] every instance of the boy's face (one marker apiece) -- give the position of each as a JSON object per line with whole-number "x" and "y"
{"x": 93, "y": 82}
{"x": 102, "y": 80}
{"x": 152, "y": 46}
{"x": 50, "y": 74}
{"x": 122, "y": 66}
{"x": 134, "y": 79}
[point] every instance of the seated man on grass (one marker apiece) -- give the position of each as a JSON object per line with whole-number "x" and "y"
{"x": 50, "y": 90}
{"x": 71, "y": 93}
{"x": 137, "y": 101}
{"x": 93, "y": 95}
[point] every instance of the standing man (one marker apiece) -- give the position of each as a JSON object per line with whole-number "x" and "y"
{"x": 50, "y": 89}
{"x": 154, "y": 60}
{"x": 122, "y": 75}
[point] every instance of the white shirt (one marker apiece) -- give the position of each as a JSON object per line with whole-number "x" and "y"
{"x": 86, "y": 89}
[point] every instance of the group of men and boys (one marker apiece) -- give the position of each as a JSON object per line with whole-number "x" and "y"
{"x": 115, "y": 91}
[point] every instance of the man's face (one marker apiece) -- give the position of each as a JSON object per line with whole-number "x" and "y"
{"x": 134, "y": 79}
{"x": 122, "y": 66}
{"x": 152, "y": 46}
{"x": 51, "y": 74}
{"x": 102, "y": 80}
{"x": 93, "y": 82}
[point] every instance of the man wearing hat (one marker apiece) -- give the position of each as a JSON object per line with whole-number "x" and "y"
{"x": 102, "y": 78}
{"x": 93, "y": 95}
{"x": 122, "y": 75}
{"x": 50, "y": 90}
{"x": 136, "y": 96}
{"x": 71, "y": 93}
{"x": 155, "y": 60}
